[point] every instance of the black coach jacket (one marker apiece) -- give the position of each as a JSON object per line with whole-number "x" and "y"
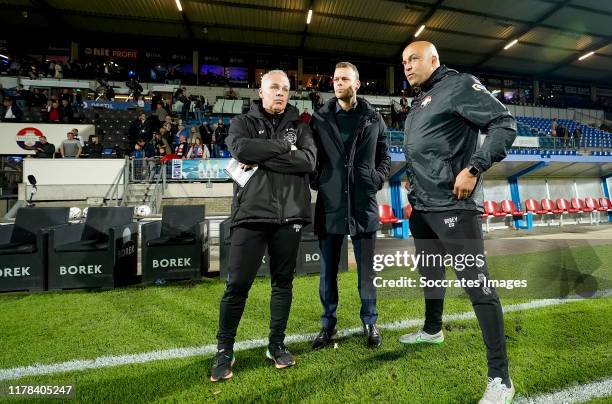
{"x": 347, "y": 182}
{"x": 279, "y": 190}
{"x": 441, "y": 139}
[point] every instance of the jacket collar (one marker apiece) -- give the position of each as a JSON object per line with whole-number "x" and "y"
{"x": 353, "y": 107}
{"x": 328, "y": 109}
{"x": 438, "y": 74}
{"x": 328, "y": 113}
{"x": 256, "y": 111}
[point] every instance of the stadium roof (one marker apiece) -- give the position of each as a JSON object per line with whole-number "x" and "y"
{"x": 551, "y": 34}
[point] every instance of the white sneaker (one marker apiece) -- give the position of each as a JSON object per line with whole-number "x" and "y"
{"x": 421, "y": 337}
{"x": 497, "y": 392}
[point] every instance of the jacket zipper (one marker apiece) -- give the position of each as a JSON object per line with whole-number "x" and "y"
{"x": 279, "y": 208}
{"x": 349, "y": 165}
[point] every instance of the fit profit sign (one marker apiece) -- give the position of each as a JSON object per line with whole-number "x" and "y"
{"x": 113, "y": 53}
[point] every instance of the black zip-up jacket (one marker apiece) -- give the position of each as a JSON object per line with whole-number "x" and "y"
{"x": 279, "y": 190}
{"x": 441, "y": 139}
{"x": 347, "y": 181}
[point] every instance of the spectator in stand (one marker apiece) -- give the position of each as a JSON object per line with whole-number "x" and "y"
{"x": 315, "y": 98}
{"x": 94, "y": 149}
{"x": 178, "y": 104}
{"x": 14, "y": 67}
{"x": 193, "y": 102}
{"x": 70, "y": 147}
{"x": 76, "y": 100}
{"x": 553, "y": 128}
{"x": 561, "y": 135}
{"x": 38, "y": 98}
{"x": 182, "y": 131}
{"x": 46, "y": 150}
{"x": 58, "y": 71}
{"x": 576, "y": 135}
{"x": 66, "y": 115}
{"x": 186, "y": 105}
{"x": 231, "y": 94}
{"x": 403, "y": 114}
{"x": 198, "y": 150}
{"x": 156, "y": 99}
{"x": 52, "y": 112}
{"x": 139, "y": 128}
{"x": 404, "y": 101}
{"x": 45, "y": 94}
{"x": 110, "y": 93}
{"x": 147, "y": 148}
{"x": 65, "y": 95}
{"x": 10, "y": 112}
{"x": 206, "y": 135}
{"x": 167, "y": 106}
{"x": 51, "y": 69}
{"x": 78, "y": 137}
{"x": 160, "y": 112}
{"x": 218, "y": 138}
{"x": 170, "y": 126}
{"x": 213, "y": 142}
{"x": 193, "y": 135}
{"x": 199, "y": 107}
{"x": 137, "y": 153}
{"x": 161, "y": 145}
{"x": 135, "y": 89}
{"x": 166, "y": 135}
{"x": 33, "y": 73}
{"x": 162, "y": 152}
{"x": 566, "y": 137}
{"x": 305, "y": 116}
{"x": 178, "y": 93}
{"x": 21, "y": 97}
{"x": 182, "y": 148}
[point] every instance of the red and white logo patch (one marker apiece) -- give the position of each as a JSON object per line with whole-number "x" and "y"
{"x": 28, "y": 137}
{"x": 426, "y": 101}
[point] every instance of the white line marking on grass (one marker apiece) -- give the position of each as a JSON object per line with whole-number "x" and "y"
{"x": 578, "y": 394}
{"x": 177, "y": 353}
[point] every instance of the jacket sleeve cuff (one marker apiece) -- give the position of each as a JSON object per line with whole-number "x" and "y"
{"x": 478, "y": 165}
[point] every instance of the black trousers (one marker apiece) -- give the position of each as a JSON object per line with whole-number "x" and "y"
{"x": 459, "y": 232}
{"x": 248, "y": 246}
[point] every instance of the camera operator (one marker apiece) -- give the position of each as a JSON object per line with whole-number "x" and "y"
{"x": 135, "y": 89}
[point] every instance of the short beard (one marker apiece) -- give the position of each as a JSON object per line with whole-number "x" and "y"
{"x": 349, "y": 94}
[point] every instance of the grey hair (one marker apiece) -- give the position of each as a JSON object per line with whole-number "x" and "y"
{"x": 271, "y": 72}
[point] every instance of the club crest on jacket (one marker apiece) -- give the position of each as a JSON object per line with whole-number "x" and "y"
{"x": 426, "y": 101}
{"x": 290, "y": 135}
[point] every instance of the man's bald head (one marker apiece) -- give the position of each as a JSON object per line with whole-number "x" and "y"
{"x": 420, "y": 60}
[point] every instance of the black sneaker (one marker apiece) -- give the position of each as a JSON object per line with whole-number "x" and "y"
{"x": 280, "y": 355}
{"x": 373, "y": 335}
{"x": 222, "y": 365}
{"x": 324, "y": 338}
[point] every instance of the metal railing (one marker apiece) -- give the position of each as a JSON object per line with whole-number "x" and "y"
{"x": 113, "y": 193}
{"x": 144, "y": 170}
{"x": 396, "y": 139}
{"x": 154, "y": 199}
{"x": 150, "y": 172}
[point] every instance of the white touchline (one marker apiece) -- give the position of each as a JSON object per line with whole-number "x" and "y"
{"x": 578, "y": 394}
{"x": 177, "y": 353}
